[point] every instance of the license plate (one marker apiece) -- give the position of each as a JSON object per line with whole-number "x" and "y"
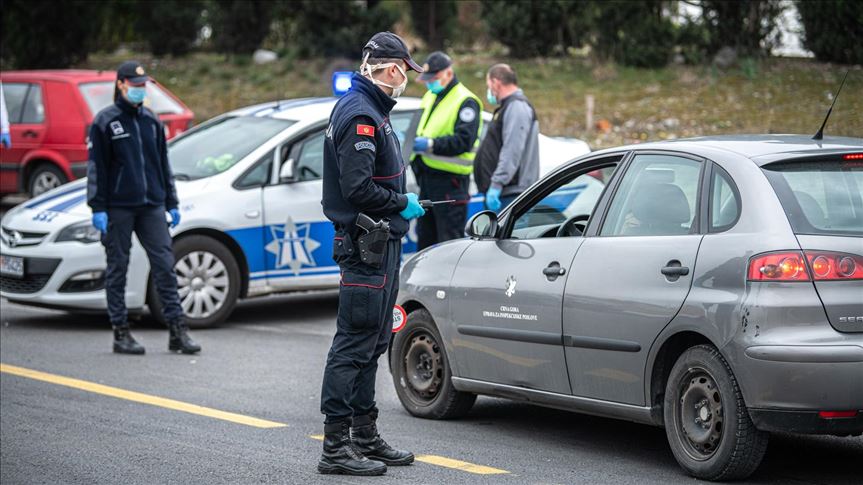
{"x": 12, "y": 266}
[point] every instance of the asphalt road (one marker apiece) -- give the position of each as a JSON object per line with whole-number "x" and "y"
{"x": 267, "y": 363}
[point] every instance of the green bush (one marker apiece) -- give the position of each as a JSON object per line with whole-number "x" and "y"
{"x": 634, "y": 33}
{"x": 325, "y": 28}
{"x": 170, "y": 26}
{"x": 239, "y": 26}
{"x": 748, "y": 26}
{"x": 434, "y": 21}
{"x": 532, "y": 27}
{"x": 833, "y": 29}
{"x": 38, "y": 35}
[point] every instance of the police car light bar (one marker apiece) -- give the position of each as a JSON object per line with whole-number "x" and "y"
{"x": 341, "y": 82}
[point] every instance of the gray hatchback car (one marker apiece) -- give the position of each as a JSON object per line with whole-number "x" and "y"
{"x": 713, "y": 286}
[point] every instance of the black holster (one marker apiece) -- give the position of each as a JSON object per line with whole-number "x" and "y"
{"x": 372, "y": 240}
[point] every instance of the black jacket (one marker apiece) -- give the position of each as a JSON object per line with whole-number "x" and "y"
{"x": 363, "y": 166}
{"x": 128, "y": 164}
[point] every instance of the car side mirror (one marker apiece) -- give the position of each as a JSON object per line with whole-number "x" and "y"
{"x": 483, "y": 225}
{"x": 286, "y": 173}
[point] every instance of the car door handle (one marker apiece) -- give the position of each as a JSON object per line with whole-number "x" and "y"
{"x": 253, "y": 214}
{"x": 673, "y": 270}
{"x": 553, "y": 271}
{"x": 29, "y": 134}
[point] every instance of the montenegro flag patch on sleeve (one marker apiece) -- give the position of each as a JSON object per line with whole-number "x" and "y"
{"x": 367, "y": 130}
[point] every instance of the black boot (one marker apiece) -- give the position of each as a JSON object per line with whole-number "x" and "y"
{"x": 124, "y": 343}
{"x": 364, "y": 434}
{"x": 180, "y": 341}
{"x": 341, "y": 457}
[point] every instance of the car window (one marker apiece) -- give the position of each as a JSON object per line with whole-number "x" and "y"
{"x": 259, "y": 175}
{"x": 14, "y": 93}
{"x": 310, "y": 158}
{"x": 24, "y": 103}
{"x": 657, "y": 197}
{"x": 99, "y": 95}
{"x": 219, "y": 145}
{"x": 724, "y": 201}
{"x": 575, "y": 197}
{"x": 821, "y": 197}
{"x": 401, "y": 122}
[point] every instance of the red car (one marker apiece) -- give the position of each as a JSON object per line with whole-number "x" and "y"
{"x": 50, "y": 114}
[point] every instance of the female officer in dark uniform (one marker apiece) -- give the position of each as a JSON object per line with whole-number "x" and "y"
{"x": 129, "y": 188}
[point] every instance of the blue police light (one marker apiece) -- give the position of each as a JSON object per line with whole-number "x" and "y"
{"x": 341, "y": 82}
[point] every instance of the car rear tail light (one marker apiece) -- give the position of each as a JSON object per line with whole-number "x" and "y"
{"x": 784, "y": 266}
{"x": 853, "y": 156}
{"x": 831, "y": 266}
{"x": 836, "y": 414}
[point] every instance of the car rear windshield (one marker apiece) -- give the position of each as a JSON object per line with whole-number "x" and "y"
{"x": 217, "y": 146}
{"x": 100, "y": 95}
{"x": 820, "y": 197}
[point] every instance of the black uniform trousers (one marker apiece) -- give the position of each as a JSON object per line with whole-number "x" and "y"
{"x": 363, "y": 329}
{"x": 151, "y": 227}
{"x": 445, "y": 221}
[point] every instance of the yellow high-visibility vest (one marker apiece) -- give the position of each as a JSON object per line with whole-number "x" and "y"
{"x": 442, "y": 123}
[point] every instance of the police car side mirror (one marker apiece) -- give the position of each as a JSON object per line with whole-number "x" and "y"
{"x": 483, "y": 225}
{"x": 286, "y": 173}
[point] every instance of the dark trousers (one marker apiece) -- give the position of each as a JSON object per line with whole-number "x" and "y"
{"x": 363, "y": 328}
{"x": 445, "y": 221}
{"x": 151, "y": 227}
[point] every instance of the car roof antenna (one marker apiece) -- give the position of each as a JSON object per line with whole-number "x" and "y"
{"x": 820, "y": 134}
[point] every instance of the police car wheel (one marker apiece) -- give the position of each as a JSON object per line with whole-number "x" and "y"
{"x": 421, "y": 371}
{"x": 45, "y": 177}
{"x": 706, "y": 421}
{"x": 208, "y": 281}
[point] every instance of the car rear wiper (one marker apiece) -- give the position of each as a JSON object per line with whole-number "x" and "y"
{"x": 181, "y": 176}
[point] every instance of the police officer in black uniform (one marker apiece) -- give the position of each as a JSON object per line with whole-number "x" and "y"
{"x": 130, "y": 187}
{"x": 364, "y": 196}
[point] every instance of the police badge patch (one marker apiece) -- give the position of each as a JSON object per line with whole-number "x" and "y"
{"x": 467, "y": 115}
{"x": 365, "y": 145}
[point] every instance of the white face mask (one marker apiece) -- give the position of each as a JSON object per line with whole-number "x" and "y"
{"x": 367, "y": 70}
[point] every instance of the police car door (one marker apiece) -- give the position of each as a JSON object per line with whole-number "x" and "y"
{"x": 507, "y": 293}
{"x": 297, "y": 236}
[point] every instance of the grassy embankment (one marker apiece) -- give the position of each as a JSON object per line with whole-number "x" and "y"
{"x": 772, "y": 96}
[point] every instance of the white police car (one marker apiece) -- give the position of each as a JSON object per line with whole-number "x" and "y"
{"x": 252, "y": 224}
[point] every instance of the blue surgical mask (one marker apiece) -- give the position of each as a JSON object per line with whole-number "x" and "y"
{"x": 435, "y": 86}
{"x": 136, "y": 94}
{"x": 492, "y": 99}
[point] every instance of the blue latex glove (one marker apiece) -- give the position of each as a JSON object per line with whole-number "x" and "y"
{"x": 414, "y": 209}
{"x": 6, "y": 140}
{"x": 100, "y": 221}
{"x": 175, "y": 217}
{"x": 421, "y": 144}
{"x": 492, "y": 199}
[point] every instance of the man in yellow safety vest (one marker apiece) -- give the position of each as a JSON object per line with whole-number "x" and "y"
{"x": 447, "y": 138}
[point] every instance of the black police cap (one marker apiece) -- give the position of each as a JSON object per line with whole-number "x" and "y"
{"x": 436, "y": 62}
{"x": 387, "y": 45}
{"x": 132, "y": 71}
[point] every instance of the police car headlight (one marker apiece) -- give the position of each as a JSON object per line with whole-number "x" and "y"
{"x": 83, "y": 232}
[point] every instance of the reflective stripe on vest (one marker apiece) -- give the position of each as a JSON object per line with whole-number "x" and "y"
{"x": 442, "y": 123}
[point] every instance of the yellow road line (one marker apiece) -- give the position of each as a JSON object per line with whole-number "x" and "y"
{"x": 138, "y": 397}
{"x": 446, "y": 462}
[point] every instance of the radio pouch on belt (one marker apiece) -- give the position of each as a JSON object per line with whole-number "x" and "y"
{"x": 373, "y": 240}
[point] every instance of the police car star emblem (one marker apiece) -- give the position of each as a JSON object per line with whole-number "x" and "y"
{"x": 292, "y": 245}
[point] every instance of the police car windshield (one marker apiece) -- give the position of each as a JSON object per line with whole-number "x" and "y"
{"x": 218, "y": 146}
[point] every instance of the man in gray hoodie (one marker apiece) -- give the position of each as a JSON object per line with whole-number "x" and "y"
{"x": 507, "y": 161}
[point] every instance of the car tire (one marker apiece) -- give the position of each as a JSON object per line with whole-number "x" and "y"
{"x": 706, "y": 421}
{"x": 44, "y": 177}
{"x": 421, "y": 371}
{"x": 203, "y": 265}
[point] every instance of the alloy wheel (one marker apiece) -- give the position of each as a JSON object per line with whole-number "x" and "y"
{"x": 202, "y": 283}
{"x": 44, "y": 182}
